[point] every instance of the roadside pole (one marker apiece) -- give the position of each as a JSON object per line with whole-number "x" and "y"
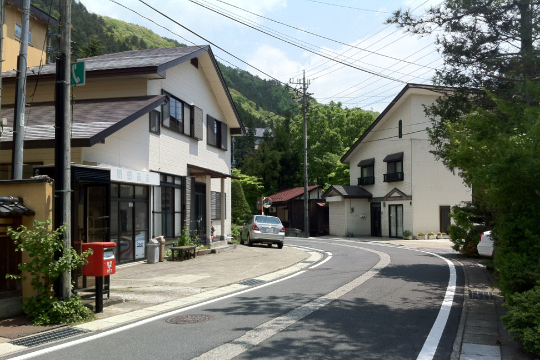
{"x": 20, "y": 97}
{"x": 305, "y": 95}
{"x": 63, "y": 142}
{"x": 1, "y": 56}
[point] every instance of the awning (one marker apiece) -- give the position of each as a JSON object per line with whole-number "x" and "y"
{"x": 195, "y": 170}
{"x": 367, "y": 162}
{"x": 394, "y": 157}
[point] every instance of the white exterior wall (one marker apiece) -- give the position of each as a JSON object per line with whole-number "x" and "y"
{"x": 428, "y": 182}
{"x": 356, "y": 223}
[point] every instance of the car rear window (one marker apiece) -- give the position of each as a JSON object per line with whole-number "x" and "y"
{"x": 267, "y": 220}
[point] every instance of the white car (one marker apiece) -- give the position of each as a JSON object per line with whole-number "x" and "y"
{"x": 485, "y": 244}
{"x": 264, "y": 230}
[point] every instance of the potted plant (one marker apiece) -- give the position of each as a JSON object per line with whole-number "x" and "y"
{"x": 431, "y": 235}
{"x": 421, "y": 236}
{"x": 407, "y": 235}
{"x": 441, "y": 235}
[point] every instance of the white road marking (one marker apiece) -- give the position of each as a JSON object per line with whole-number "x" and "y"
{"x": 274, "y": 326}
{"x": 329, "y": 254}
{"x": 145, "y": 321}
{"x": 322, "y": 262}
{"x": 432, "y": 341}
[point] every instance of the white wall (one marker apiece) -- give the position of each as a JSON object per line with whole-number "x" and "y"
{"x": 337, "y": 218}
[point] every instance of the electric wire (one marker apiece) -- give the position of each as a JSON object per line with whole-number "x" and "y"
{"x": 350, "y": 7}
{"x": 301, "y": 47}
{"x": 317, "y": 35}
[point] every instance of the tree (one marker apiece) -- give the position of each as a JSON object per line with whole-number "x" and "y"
{"x": 251, "y": 186}
{"x": 240, "y": 208}
{"x": 484, "y": 44}
{"x": 92, "y": 48}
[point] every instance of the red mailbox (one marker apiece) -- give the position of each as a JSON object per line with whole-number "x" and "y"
{"x": 103, "y": 261}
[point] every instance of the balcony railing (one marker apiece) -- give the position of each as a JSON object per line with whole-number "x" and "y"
{"x": 398, "y": 176}
{"x": 368, "y": 180}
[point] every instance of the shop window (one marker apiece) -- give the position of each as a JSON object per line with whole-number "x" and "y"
{"x": 167, "y": 207}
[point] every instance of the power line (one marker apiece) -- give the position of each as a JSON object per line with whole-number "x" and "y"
{"x": 350, "y": 7}
{"x": 320, "y": 36}
{"x": 288, "y": 42}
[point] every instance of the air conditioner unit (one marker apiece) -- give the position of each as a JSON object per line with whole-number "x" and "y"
{"x": 272, "y": 209}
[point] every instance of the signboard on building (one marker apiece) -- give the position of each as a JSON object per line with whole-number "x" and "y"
{"x": 134, "y": 176}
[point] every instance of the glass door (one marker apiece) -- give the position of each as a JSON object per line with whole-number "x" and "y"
{"x": 396, "y": 220}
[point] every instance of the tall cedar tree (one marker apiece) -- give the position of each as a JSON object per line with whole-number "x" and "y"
{"x": 484, "y": 44}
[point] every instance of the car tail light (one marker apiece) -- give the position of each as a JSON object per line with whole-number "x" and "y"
{"x": 255, "y": 227}
{"x": 282, "y": 229}
{"x": 480, "y": 238}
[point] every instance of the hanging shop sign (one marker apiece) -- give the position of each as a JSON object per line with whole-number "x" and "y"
{"x": 134, "y": 176}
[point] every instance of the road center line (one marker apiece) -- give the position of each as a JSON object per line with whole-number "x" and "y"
{"x": 274, "y": 326}
{"x": 432, "y": 341}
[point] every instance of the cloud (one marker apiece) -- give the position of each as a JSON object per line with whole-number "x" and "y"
{"x": 273, "y": 61}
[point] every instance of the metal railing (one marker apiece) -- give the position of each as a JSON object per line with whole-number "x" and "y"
{"x": 391, "y": 177}
{"x": 368, "y": 180}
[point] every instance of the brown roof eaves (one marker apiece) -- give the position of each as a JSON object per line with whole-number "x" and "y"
{"x": 385, "y": 111}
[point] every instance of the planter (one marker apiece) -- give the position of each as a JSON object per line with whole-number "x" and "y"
{"x": 203, "y": 252}
{"x": 421, "y": 237}
{"x": 407, "y": 237}
{"x": 430, "y": 237}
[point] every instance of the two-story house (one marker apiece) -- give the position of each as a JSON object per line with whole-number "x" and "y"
{"x": 396, "y": 184}
{"x": 37, "y": 37}
{"x": 150, "y": 146}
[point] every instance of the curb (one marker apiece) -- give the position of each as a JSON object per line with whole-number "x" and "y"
{"x": 458, "y": 342}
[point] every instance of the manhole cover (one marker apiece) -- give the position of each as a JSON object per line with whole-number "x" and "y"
{"x": 188, "y": 319}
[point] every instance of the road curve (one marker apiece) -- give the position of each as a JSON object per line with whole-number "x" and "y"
{"x": 364, "y": 302}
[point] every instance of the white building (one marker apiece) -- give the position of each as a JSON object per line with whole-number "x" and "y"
{"x": 396, "y": 184}
{"x": 150, "y": 145}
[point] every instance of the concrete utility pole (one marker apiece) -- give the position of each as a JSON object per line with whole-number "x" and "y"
{"x": 305, "y": 104}
{"x": 63, "y": 141}
{"x": 20, "y": 97}
{"x": 1, "y": 50}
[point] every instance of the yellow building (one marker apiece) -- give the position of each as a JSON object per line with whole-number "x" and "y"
{"x": 37, "y": 44}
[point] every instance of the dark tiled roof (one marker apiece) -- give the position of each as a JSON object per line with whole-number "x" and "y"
{"x": 149, "y": 60}
{"x": 289, "y": 194}
{"x": 93, "y": 120}
{"x": 13, "y": 207}
{"x": 349, "y": 192}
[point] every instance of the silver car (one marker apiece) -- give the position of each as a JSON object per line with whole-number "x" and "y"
{"x": 263, "y": 229}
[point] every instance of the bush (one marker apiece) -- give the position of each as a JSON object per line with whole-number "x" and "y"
{"x": 464, "y": 234}
{"x": 42, "y": 244}
{"x": 184, "y": 239}
{"x": 523, "y": 318}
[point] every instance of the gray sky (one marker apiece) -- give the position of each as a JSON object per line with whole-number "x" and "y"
{"x": 357, "y": 26}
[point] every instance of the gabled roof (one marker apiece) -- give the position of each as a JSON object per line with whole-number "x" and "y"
{"x": 93, "y": 120}
{"x": 35, "y": 12}
{"x": 289, "y": 194}
{"x": 134, "y": 62}
{"x": 388, "y": 108}
{"x": 348, "y": 192}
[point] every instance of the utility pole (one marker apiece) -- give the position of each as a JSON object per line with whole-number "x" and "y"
{"x": 63, "y": 142}
{"x": 1, "y": 56}
{"x": 305, "y": 104}
{"x": 20, "y": 97}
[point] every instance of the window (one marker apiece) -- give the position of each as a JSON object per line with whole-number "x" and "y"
{"x": 216, "y": 205}
{"x": 18, "y": 33}
{"x": 394, "y": 171}
{"x": 217, "y": 133}
{"x": 394, "y": 167}
{"x": 167, "y": 207}
{"x": 367, "y": 176}
{"x": 154, "y": 121}
{"x": 173, "y": 114}
{"x": 400, "y": 129}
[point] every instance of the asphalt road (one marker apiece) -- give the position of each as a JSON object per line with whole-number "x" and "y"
{"x": 364, "y": 302}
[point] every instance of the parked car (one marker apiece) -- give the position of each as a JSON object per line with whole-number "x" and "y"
{"x": 485, "y": 244}
{"x": 264, "y": 230}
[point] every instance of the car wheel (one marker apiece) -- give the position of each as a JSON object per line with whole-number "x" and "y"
{"x": 280, "y": 246}
{"x": 269, "y": 245}
{"x": 249, "y": 241}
